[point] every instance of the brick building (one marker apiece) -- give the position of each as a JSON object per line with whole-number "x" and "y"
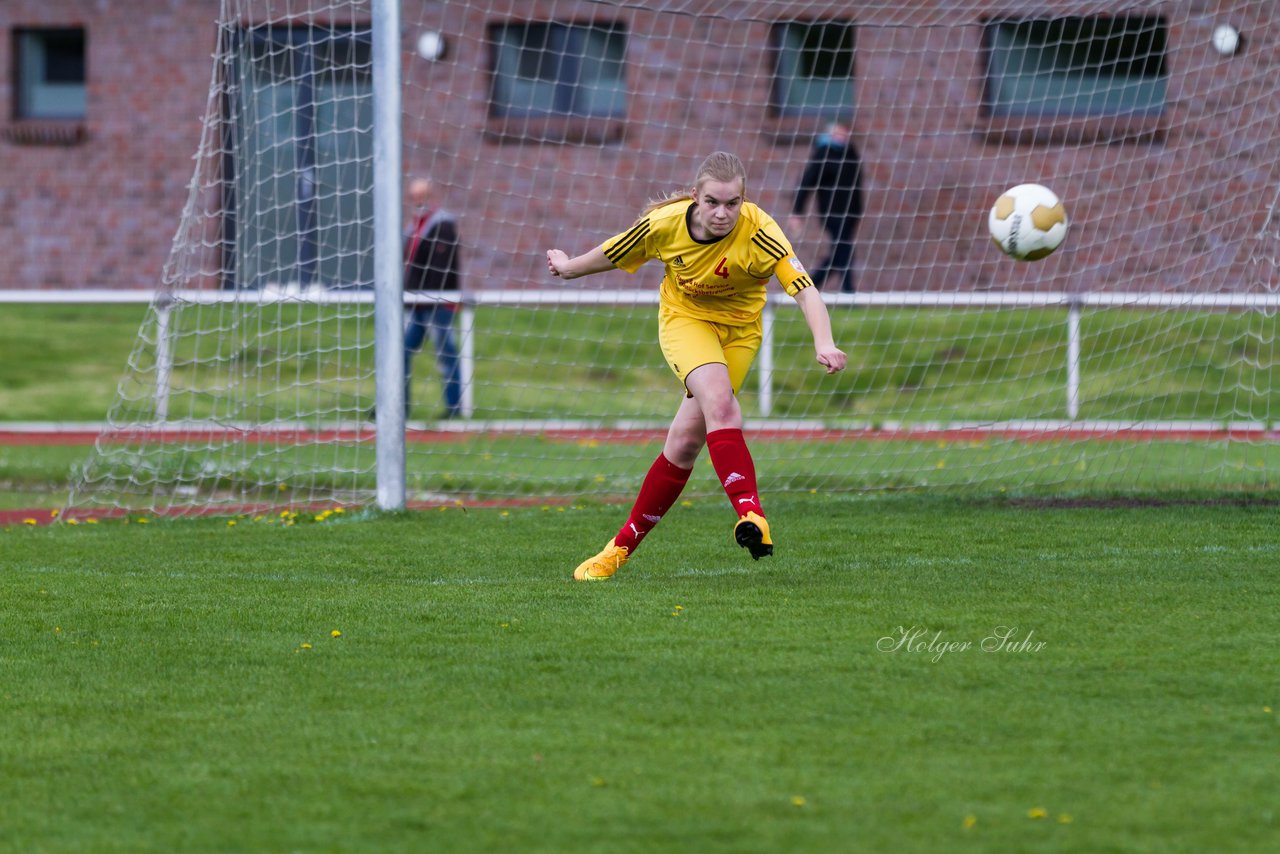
{"x": 1169, "y": 187}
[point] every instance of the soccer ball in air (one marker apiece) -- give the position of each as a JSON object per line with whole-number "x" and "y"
{"x": 1028, "y": 222}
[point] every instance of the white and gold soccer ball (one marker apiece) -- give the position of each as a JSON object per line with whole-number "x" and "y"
{"x": 1028, "y": 222}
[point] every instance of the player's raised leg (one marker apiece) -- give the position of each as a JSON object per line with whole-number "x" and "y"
{"x": 710, "y": 386}
{"x": 662, "y": 485}
{"x": 660, "y": 489}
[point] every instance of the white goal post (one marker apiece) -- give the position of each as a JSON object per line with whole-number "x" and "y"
{"x": 276, "y": 330}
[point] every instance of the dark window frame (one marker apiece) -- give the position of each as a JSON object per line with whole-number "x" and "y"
{"x": 22, "y": 109}
{"x": 844, "y": 52}
{"x": 570, "y": 117}
{"x": 1133, "y": 49}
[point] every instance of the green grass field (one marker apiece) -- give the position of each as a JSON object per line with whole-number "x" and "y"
{"x": 175, "y": 685}
{"x": 1075, "y": 661}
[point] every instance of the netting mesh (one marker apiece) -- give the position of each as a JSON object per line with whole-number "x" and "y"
{"x": 1142, "y": 355}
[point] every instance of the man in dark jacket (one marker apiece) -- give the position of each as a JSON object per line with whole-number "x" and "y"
{"x": 432, "y": 270}
{"x": 833, "y": 176}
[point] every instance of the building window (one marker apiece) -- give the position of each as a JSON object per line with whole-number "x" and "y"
{"x": 298, "y": 204}
{"x": 1076, "y": 66}
{"x": 813, "y": 69}
{"x": 50, "y": 78}
{"x": 551, "y": 69}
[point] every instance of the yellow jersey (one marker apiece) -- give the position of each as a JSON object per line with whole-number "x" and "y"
{"x": 721, "y": 280}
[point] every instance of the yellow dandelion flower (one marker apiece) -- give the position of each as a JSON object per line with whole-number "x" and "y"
{"x": 598, "y": 782}
{"x": 798, "y": 800}
{"x": 941, "y": 464}
{"x": 1266, "y": 709}
{"x": 686, "y": 503}
{"x": 969, "y": 822}
{"x": 29, "y": 521}
{"x": 1064, "y": 818}
{"x": 92, "y": 520}
{"x": 1037, "y": 812}
{"x": 53, "y": 514}
{"x": 231, "y": 523}
{"x": 73, "y": 522}
{"x": 306, "y": 646}
{"x": 282, "y": 487}
{"x": 335, "y": 634}
{"x": 504, "y": 514}
{"x": 142, "y": 520}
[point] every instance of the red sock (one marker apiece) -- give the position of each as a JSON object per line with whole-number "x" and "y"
{"x": 735, "y": 468}
{"x": 662, "y": 486}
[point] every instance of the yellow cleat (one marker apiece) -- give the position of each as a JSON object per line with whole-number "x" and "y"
{"x": 752, "y": 533}
{"x": 602, "y": 566}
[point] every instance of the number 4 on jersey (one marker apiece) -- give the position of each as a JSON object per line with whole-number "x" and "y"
{"x": 722, "y": 269}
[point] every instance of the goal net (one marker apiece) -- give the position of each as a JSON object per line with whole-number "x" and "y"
{"x": 1140, "y": 356}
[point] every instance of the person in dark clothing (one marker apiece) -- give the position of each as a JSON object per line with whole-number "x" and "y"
{"x": 833, "y": 176}
{"x": 432, "y": 268}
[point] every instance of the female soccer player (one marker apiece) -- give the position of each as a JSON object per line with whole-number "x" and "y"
{"x": 720, "y": 252}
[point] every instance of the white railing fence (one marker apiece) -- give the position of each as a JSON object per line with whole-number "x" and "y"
{"x": 1072, "y": 305}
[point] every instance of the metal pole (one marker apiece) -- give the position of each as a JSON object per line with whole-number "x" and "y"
{"x": 1073, "y": 359}
{"x": 765, "y": 377}
{"x": 467, "y": 369}
{"x": 388, "y": 299}
{"x": 164, "y": 360}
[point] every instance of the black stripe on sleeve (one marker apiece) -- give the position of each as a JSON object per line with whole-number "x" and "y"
{"x": 627, "y": 242}
{"x": 768, "y": 244}
{"x": 802, "y": 283}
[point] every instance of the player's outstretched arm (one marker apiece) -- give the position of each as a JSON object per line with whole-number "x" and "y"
{"x": 562, "y": 266}
{"x": 825, "y": 350}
